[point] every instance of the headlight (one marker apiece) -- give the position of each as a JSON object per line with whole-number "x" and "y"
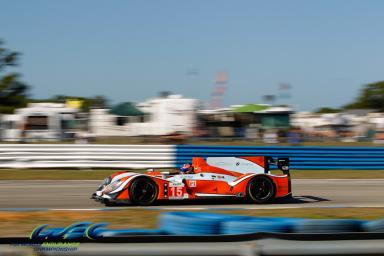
{"x": 114, "y": 185}
{"x": 105, "y": 182}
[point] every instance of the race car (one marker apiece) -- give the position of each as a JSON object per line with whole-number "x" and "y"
{"x": 246, "y": 177}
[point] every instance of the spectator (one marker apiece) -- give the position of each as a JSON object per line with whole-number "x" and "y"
{"x": 294, "y": 137}
{"x": 270, "y": 137}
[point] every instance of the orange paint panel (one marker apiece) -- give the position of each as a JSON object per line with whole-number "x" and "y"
{"x": 123, "y": 195}
{"x": 282, "y": 185}
{"x": 242, "y": 186}
{"x": 206, "y": 186}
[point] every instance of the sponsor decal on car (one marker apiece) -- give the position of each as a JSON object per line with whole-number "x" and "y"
{"x": 176, "y": 184}
{"x": 192, "y": 183}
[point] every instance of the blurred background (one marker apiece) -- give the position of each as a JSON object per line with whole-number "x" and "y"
{"x": 251, "y": 72}
{"x": 172, "y": 118}
{"x": 91, "y": 86}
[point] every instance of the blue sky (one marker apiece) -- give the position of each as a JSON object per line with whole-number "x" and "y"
{"x": 131, "y": 50}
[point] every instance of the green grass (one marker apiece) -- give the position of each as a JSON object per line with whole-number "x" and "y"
{"x": 83, "y": 174}
{"x": 22, "y": 223}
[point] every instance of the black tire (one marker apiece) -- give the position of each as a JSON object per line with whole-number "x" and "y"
{"x": 260, "y": 189}
{"x": 143, "y": 191}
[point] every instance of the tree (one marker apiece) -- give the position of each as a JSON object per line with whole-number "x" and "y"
{"x": 93, "y": 102}
{"x": 13, "y": 93}
{"x": 371, "y": 97}
{"x": 325, "y": 110}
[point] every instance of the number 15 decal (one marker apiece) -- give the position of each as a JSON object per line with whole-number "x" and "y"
{"x": 176, "y": 192}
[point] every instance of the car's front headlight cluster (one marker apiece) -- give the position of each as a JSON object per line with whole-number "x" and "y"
{"x": 111, "y": 187}
{"x": 105, "y": 182}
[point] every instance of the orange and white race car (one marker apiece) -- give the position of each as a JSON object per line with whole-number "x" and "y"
{"x": 246, "y": 177}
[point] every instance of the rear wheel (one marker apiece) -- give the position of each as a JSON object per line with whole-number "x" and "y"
{"x": 260, "y": 189}
{"x": 143, "y": 191}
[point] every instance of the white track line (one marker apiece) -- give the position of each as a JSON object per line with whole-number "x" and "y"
{"x": 73, "y": 209}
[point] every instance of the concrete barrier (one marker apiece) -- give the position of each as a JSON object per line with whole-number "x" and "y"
{"x": 86, "y": 156}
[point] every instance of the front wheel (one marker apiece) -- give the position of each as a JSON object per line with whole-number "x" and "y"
{"x": 143, "y": 191}
{"x": 260, "y": 189}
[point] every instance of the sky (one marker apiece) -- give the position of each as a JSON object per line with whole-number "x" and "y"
{"x": 130, "y": 50}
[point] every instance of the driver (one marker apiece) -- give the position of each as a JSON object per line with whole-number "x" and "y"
{"x": 186, "y": 169}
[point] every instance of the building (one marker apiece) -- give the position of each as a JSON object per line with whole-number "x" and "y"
{"x": 154, "y": 117}
{"x": 244, "y": 120}
{"x": 350, "y": 125}
{"x": 39, "y": 121}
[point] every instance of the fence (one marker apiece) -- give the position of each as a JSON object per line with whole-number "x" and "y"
{"x": 168, "y": 156}
{"x": 308, "y": 158}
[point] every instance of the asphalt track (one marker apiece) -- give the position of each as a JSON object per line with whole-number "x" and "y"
{"x": 74, "y": 195}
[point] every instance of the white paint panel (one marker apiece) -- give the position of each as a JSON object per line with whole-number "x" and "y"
{"x": 235, "y": 164}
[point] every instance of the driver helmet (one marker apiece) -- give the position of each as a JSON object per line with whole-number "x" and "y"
{"x": 185, "y": 168}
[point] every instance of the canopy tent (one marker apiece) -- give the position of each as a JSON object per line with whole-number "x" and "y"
{"x": 126, "y": 109}
{"x": 250, "y": 108}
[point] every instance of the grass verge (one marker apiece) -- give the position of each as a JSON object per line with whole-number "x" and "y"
{"x": 22, "y": 223}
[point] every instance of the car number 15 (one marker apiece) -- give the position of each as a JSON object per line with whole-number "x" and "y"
{"x": 176, "y": 192}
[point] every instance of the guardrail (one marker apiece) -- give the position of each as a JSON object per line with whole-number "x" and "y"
{"x": 86, "y": 156}
{"x": 169, "y": 156}
{"x": 301, "y": 157}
